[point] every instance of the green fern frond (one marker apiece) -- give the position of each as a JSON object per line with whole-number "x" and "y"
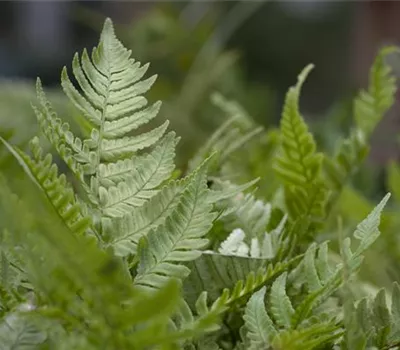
{"x": 76, "y": 153}
{"x": 213, "y": 272}
{"x": 315, "y": 299}
{"x": 260, "y": 328}
{"x": 298, "y": 164}
{"x": 111, "y": 99}
{"x": 180, "y": 239}
{"x": 310, "y": 338}
{"x": 124, "y": 233}
{"x": 284, "y": 315}
{"x": 240, "y": 291}
{"x": 78, "y": 267}
{"x": 322, "y": 280}
{"x": 369, "y": 109}
{"x": 309, "y": 200}
{"x": 281, "y": 306}
{"x": 147, "y": 171}
{"x": 378, "y": 324}
{"x": 45, "y": 174}
{"x": 371, "y": 105}
{"x": 368, "y": 230}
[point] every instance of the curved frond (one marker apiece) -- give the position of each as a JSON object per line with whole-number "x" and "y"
{"x": 299, "y": 164}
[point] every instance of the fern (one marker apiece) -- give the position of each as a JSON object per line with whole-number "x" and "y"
{"x": 298, "y": 164}
{"x": 377, "y": 321}
{"x": 258, "y": 323}
{"x": 369, "y": 109}
{"x": 128, "y": 256}
{"x": 371, "y": 105}
{"x": 112, "y": 102}
{"x": 179, "y": 239}
{"x": 56, "y": 188}
{"x": 285, "y": 324}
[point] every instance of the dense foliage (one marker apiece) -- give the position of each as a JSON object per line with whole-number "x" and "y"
{"x": 123, "y": 251}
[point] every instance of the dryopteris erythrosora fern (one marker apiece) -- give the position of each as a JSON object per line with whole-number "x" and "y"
{"x": 105, "y": 263}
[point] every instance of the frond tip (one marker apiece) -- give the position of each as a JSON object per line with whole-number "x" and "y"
{"x": 110, "y": 97}
{"x": 299, "y": 164}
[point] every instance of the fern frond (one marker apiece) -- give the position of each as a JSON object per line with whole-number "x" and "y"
{"x": 89, "y": 290}
{"x": 377, "y": 323}
{"x": 45, "y": 174}
{"x": 235, "y": 260}
{"x": 310, "y": 338}
{"x": 77, "y": 154}
{"x": 240, "y": 284}
{"x": 298, "y": 164}
{"x": 124, "y": 233}
{"x": 242, "y": 290}
{"x": 179, "y": 239}
{"x": 111, "y": 99}
{"x": 371, "y": 105}
{"x": 259, "y": 325}
{"x": 321, "y": 280}
{"x": 147, "y": 171}
{"x": 369, "y": 109}
{"x": 368, "y": 230}
{"x": 281, "y": 306}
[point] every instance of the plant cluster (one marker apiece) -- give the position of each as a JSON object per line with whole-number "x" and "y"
{"x": 133, "y": 254}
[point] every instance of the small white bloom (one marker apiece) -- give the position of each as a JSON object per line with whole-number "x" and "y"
{"x": 232, "y": 243}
